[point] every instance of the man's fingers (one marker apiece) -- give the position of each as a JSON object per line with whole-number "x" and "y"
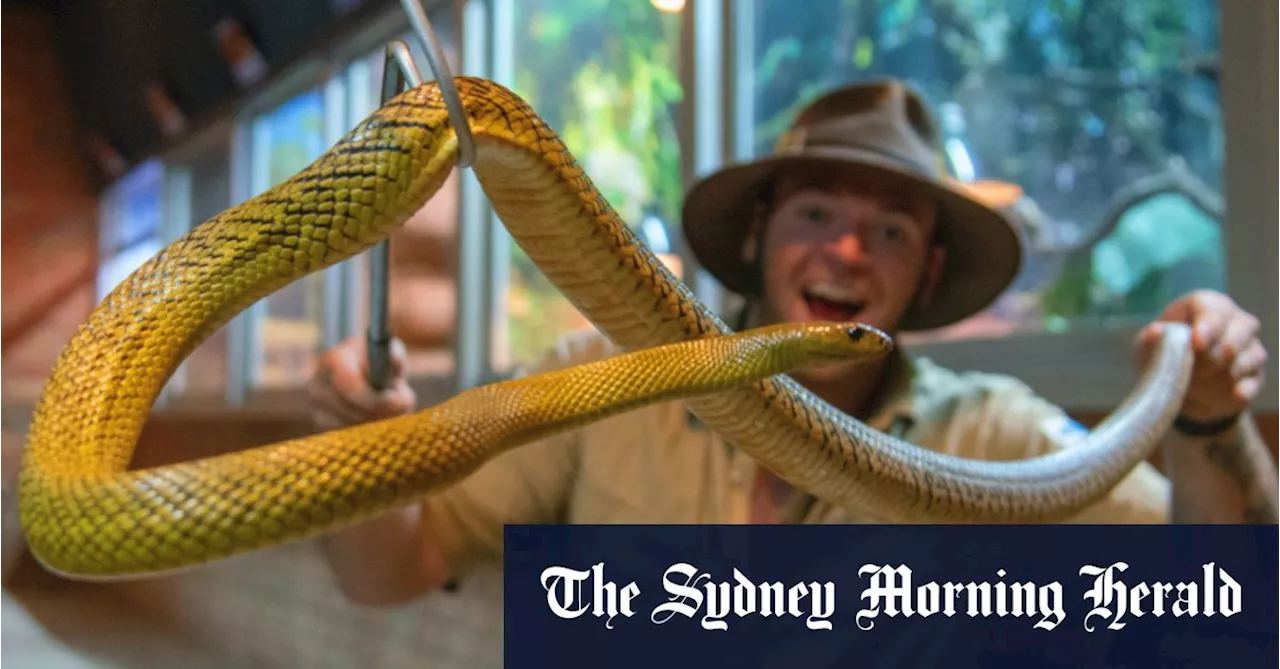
{"x": 340, "y": 389}
{"x": 334, "y": 409}
{"x": 1207, "y": 312}
{"x": 1250, "y": 361}
{"x": 329, "y": 400}
{"x": 1146, "y": 343}
{"x": 323, "y": 421}
{"x": 1230, "y": 360}
{"x": 396, "y": 400}
{"x": 1209, "y": 326}
{"x": 349, "y": 369}
{"x": 340, "y": 392}
{"x": 1247, "y": 389}
{"x": 1239, "y": 333}
{"x": 1180, "y": 311}
{"x": 1148, "y": 335}
{"x": 399, "y": 357}
{"x": 350, "y": 377}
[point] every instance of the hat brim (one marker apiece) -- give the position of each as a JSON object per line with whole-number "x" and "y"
{"x": 983, "y": 250}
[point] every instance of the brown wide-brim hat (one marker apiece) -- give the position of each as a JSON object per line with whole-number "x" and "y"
{"x": 879, "y": 131}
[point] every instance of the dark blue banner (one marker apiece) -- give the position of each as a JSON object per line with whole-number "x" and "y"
{"x": 663, "y": 597}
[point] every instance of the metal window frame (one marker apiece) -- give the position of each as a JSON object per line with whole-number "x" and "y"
{"x": 111, "y": 242}
{"x": 489, "y": 315}
{"x": 353, "y": 301}
{"x": 178, "y": 194}
{"x": 704, "y": 80}
{"x": 175, "y": 222}
{"x": 478, "y": 295}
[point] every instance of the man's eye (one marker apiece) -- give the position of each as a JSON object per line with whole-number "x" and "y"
{"x": 814, "y": 215}
{"x": 892, "y": 229}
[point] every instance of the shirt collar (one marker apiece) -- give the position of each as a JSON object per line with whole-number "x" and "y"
{"x": 895, "y": 408}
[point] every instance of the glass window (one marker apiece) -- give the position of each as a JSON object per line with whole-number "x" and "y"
{"x": 207, "y": 182}
{"x": 285, "y": 140}
{"x": 131, "y": 230}
{"x": 422, "y": 297}
{"x": 605, "y": 76}
{"x": 1075, "y": 103}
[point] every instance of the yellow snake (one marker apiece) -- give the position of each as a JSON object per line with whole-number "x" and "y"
{"x": 86, "y": 515}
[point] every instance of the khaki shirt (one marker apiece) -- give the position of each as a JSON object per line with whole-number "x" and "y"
{"x": 659, "y": 465}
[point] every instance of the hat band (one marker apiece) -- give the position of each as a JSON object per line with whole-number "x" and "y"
{"x": 906, "y": 161}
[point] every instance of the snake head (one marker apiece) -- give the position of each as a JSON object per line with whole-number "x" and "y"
{"x": 869, "y": 339}
{"x": 826, "y": 341}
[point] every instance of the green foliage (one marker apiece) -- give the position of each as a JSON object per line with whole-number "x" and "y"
{"x": 295, "y": 132}
{"x": 1070, "y": 99}
{"x": 1161, "y": 248}
{"x": 605, "y": 76}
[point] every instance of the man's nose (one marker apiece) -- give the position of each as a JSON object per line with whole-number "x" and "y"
{"x": 847, "y": 246}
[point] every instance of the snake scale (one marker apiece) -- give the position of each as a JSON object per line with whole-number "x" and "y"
{"x": 86, "y": 515}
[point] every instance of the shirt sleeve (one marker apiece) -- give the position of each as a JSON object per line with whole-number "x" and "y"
{"x": 529, "y": 484}
{"x": 1005, "y": 420}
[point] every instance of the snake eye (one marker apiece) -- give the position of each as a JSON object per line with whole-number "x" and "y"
{"x": 856, "y": 333}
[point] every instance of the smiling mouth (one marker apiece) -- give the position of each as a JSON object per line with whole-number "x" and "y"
{"x": 830, "y": 305}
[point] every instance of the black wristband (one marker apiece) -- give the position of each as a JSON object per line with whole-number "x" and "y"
{"x": 1193, "y": 428}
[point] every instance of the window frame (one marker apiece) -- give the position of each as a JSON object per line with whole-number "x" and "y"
{"x": 177, "y": 196}
{"x": 111, "y": 242}
{"x": 1249, "y": 108}
{"x": 479, "y": 295}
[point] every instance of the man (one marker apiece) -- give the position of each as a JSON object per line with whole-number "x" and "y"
{"x": 849, "y": 220}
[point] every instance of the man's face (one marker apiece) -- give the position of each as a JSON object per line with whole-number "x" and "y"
{"x": 838, "y": 248}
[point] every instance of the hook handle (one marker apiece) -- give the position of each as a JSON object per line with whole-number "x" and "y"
{"x": 398, "y": 71}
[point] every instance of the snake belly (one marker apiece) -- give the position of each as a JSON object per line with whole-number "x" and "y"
{"x": 84, "y": 514}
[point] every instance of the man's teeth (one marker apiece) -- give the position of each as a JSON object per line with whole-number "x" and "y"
{"x": 832, "y": 293}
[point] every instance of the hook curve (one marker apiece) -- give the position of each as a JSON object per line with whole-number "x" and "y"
{"x": 444, "y": 79}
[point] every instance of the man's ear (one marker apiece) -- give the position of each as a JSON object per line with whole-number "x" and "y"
{"x": 934, "y": 264}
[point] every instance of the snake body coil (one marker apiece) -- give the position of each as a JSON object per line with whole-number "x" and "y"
{"x": 86, "y": 515}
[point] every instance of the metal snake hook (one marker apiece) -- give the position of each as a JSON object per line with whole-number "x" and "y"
{"x": 399, "y": 70}
{"x": 444, "y": 79}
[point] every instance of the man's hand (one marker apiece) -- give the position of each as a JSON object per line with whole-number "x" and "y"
{"x": 340, "y": 392}
{"x": 1226, "y": 476}
{"x": 390, "y": 559}
{"x": 1230, "y": 359}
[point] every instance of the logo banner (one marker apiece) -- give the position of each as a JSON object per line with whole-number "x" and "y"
{"x": 890, "y": 596}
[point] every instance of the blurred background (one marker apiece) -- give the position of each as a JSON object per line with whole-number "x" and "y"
{"x": 1142, "y": 134}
